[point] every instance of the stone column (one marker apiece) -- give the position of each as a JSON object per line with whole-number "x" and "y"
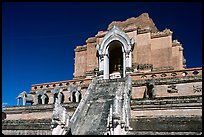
{"x": 124, "y": 64}
{"x": 128, "y": 61}
{"x": 101, "y": 66}
{"x": 106, "y": 67}
{"x": 101, "y": 61}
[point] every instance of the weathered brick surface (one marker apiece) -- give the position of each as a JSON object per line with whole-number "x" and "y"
{"x": 141, "y": 21}
{"x": 80, "y": 63}
{"x": 92, "y": 60}
{"x": 37, "y": 115}
{"x": 184, "y": 89}
{"x": 151, "y": 47}
{"x": 35, "y": 112}
{"x": 167, "y": 116}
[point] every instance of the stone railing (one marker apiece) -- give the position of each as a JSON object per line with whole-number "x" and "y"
{"x": 126, "y": 105}
{"x": 168, "y": 74}
{"x": 75, "y": 117}
{"x": 119, "y": 112}
{"x": 80, "y": 82}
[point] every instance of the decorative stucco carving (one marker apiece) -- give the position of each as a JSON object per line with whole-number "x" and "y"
{"x": 172, "y": 89}
{"x": 144, "y": 66}
{"x": 197, "y": 88}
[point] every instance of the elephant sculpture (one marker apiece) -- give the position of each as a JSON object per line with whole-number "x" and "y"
{"x": 42, "y": 97}
{"x": 27, "y": 98}
{"x": 75, "y": 94}
{"x": 57, "y": 94}
{"x": 150, "y": 90}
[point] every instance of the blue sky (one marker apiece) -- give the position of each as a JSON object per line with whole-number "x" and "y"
{"x": 38, "y": 38}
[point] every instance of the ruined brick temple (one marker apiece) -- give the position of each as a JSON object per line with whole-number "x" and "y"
{"x": 130, "y": 79}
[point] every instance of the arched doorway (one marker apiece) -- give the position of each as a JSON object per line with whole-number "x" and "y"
{"x": 114, "y": 53}
{"x": 115, "y": 59}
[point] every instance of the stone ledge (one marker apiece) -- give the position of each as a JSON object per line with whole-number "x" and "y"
{"x": 173, "y": 97}
{"x": 162, "y": 81}
{"x": 42, "y": 124}
{"x": 91, "y": 40}
{"x": 80, "y": 48}
{"x": 167, "y": 124}
{"x": 178, "y": 102}
{"x": 162, "y": 133}
{"x": 164, "y": 33}
{"x": 37, "y": 108}
{"x": 111, "y": 80}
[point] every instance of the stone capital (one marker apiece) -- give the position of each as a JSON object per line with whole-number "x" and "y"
{"x": 127, "y": 54}
{"x": 101, "y": 57}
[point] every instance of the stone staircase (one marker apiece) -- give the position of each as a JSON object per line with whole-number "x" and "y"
{"x": 91, "y": 117}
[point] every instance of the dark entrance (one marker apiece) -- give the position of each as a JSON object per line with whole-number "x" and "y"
{"x": 115, "y": 57}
